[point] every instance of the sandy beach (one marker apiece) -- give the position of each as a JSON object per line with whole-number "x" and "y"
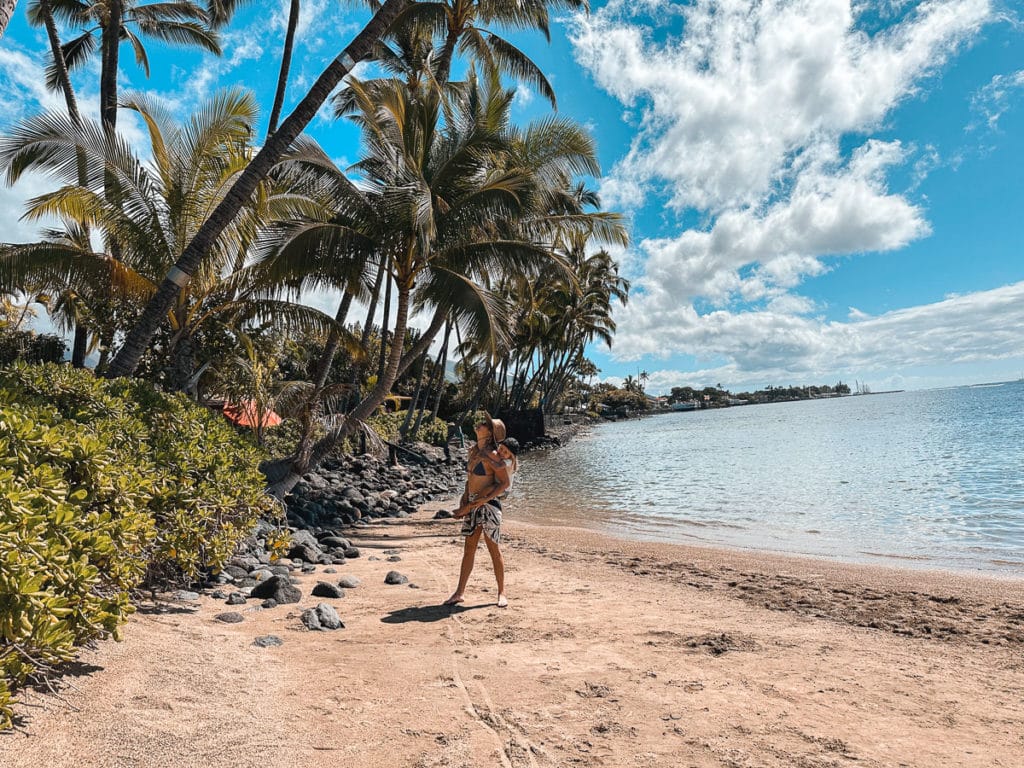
{"x": 612, "y": 653}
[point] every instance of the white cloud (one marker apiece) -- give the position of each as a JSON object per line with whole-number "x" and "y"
{"x": 23, "y": 94}
{"x": 775, "y": 346}
{"x": 727, "y": 105}
{"x": 523, "y": 96}
{"x": 992, "y": 101}
{"x": 834, "y": 208}
{"x": 758, "y": 117}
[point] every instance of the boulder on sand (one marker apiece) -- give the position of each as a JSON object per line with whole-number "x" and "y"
{"x": 277, "y": 588}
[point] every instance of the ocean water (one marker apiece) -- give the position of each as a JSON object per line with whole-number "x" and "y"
{"x": 930, "y": 479}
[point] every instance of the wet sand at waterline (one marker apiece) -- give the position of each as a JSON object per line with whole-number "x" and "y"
{"x": 612, "y": 653}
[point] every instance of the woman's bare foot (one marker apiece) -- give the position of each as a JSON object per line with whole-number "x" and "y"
{"x": 502, "y": 601}
{"x": 454, "y": 599}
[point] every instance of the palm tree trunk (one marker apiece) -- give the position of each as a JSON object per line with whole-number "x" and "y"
{"x": 80, "y": 345}
{"x": 404, "y": 429}
{"x": 384, "y": 330}
{"x": 81, "y": 333}
{"x": 6, "y": 12}
{"x": 280, "y": 487}
{"x": 58, "y": 59}
{"x": 139, "y": 338}
{"x": 442, "y": 363}
{"x": 286, "y": 63}
{"x": 444, "y": 61}
{"x": 81, "y": 340}
{"x": 323, "y": 368}
{"x": 110, "y": 43}
{"x": 425, "y": 340}
{"x": 367, "y": 327}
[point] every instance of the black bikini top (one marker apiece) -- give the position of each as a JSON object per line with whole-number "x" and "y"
{"x": 479, "y": 469}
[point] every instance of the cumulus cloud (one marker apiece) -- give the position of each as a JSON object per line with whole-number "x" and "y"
{"x": 775, "y": 346}
{"x": 758, "y": 117}
{"x": 834, "y": 208}
{"x": 728, "y": 103}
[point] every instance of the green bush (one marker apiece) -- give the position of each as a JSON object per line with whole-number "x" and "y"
{"x": 432, "y": 431}
{"x": 105, "y": 485}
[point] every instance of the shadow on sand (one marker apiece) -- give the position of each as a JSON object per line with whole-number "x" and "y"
{"x": 429, "y": 613}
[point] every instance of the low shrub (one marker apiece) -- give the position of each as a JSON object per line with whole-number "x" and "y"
{"x": 105, "y": 486}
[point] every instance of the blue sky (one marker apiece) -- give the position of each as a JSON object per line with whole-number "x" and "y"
{"x": 817, "y": 189}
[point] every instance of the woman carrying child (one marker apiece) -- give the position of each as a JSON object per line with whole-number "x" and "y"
{"x": 489, "y": 470}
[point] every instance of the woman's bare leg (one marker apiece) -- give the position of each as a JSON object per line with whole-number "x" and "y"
{"x": 499, "y": 568}
{"x": 468, "y": 557}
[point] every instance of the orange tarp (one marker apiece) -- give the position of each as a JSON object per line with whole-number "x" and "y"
{"x": 244, "y": 414}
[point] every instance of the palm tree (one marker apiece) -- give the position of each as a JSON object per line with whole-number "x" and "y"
{"x": 463, "y": 25}
{"x": 60, "y": 69}
{"x": 255, "y": 171}
{"x": 439, "y": 197}
{"x": 108, "y": 23}
{"x": 152, "y": 213}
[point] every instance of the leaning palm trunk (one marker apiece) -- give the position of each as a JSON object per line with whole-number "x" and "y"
{"x": 425, "y": 340}
{"x": 365, "y": 335}
{"x": 140, "y": 337}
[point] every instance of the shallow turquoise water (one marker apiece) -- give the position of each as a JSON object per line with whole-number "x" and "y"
{"x": 933, "y": 479}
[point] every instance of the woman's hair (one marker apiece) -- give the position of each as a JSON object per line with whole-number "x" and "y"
{"x": 512, "y": 444}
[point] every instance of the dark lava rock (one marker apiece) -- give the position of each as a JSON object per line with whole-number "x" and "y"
{"x": 218, "y": 594}
{"x": 329, "y": 618}
{"x": 305, "y": 553}
{"x": 330, "y": 570}
{"x": 269, "y": 603}
{"x": 185, "y": 596}
{"x": 351, "y": 552}
{"x": 322, "y": 617}
{"x": 304, "y": 538}
{"x": 442, "y": 514}
{"x": 335, "y": 542}
{"x": 236, "y": 598}
{"x": 235, "y": 571}
{"x": 326, "y": 589}
{"x": 308, "y": 568}
{"x": 278, "y": 588}
{"x": 394, "y": 577}
{"x": 349, "y": 582}
{"x": 268, "y": 641}
{"x": 311, "y": 619}
{"x": 231, "y": 617}
{"x": 394, "y": 559}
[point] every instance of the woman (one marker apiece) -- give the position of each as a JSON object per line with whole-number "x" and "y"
{"x": 487, "y": 479}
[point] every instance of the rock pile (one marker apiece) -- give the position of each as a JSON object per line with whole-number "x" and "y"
{"x": 353, "y": 489}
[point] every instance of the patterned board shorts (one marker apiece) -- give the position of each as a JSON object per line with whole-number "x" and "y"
{"x": 488, "y": 516}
